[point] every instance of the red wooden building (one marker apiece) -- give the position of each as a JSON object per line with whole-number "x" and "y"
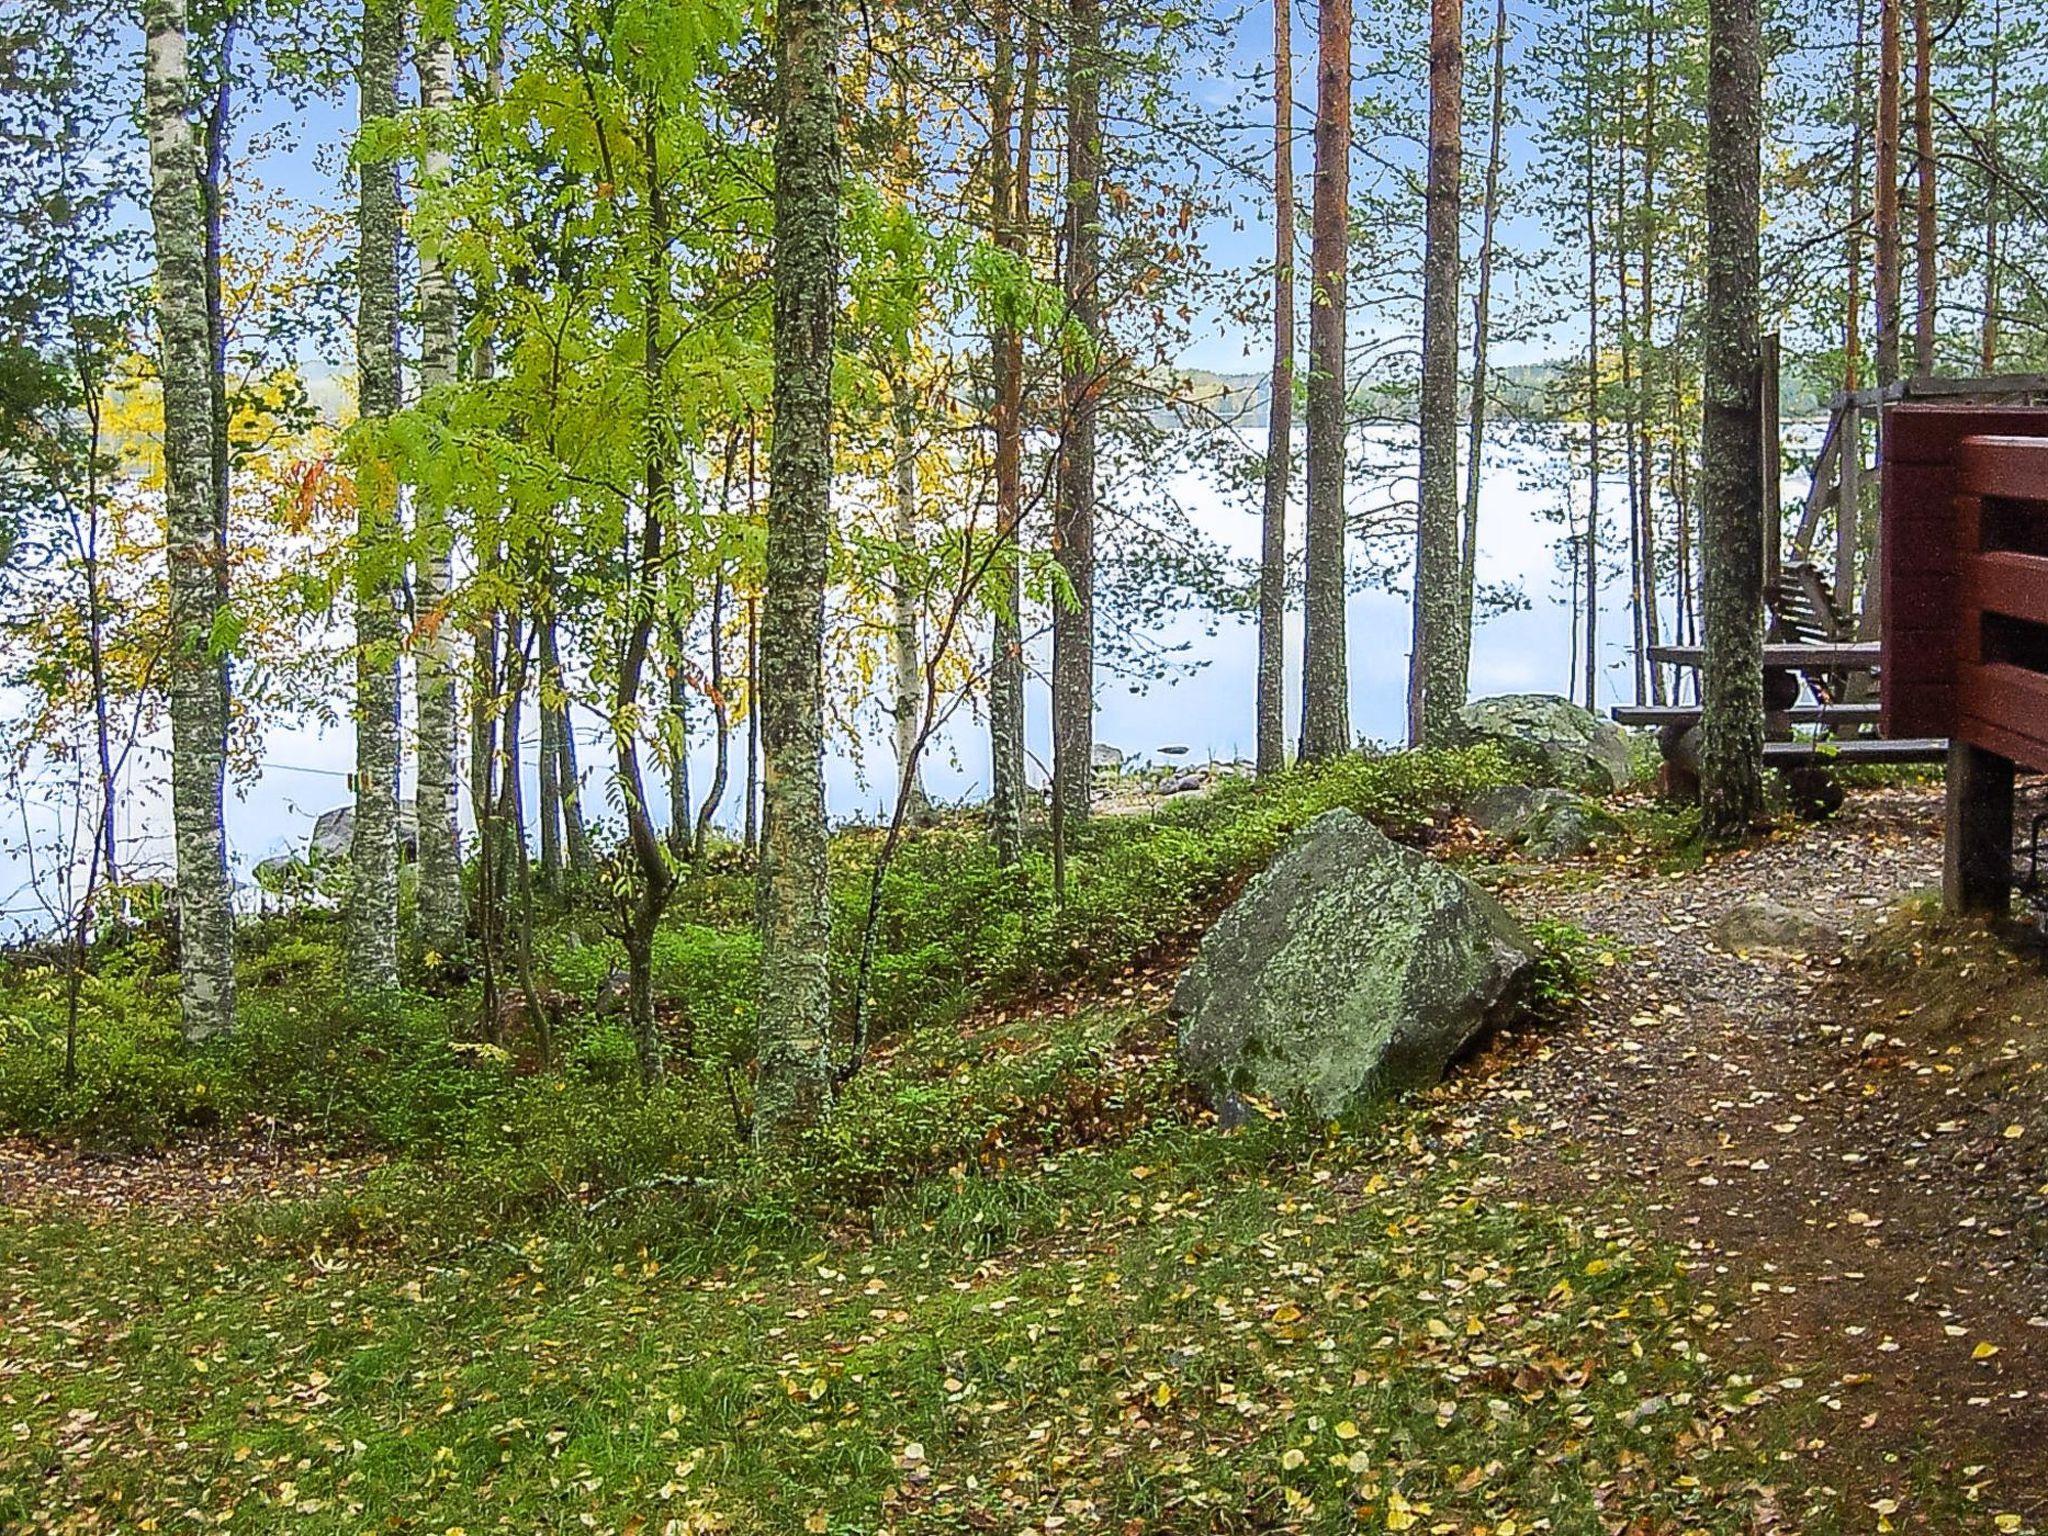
{"x": 1965, "y": 599}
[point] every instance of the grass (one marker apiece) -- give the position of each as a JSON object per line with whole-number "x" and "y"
{"x": 1178, "y": 1330}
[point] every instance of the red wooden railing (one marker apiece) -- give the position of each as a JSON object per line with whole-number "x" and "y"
{"x": 1965, "y": 592}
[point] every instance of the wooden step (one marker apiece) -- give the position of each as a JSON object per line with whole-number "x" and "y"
{"x": 1799, "y": 714}
{"x": 1906, "y": 749}
{"x": 1846, "y": 653}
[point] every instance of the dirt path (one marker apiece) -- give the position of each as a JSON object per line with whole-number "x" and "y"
{"x": 191, "y": 1179}
{"x": 1857, "y": 1168}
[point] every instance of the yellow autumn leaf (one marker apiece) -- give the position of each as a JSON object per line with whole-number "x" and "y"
{"x": 1291, "y": 1458}
{"x": 1347, "y": 1430}
{"x": 1162, "y": 1396}
{"x": 1984, "y": 1350}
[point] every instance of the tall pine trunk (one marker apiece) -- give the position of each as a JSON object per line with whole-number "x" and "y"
{"x": 1589, "y": 568}
{"x": 795, "y": 1079}
{"x": 438, "y": 901}
{"x": 1436, "y": 685}
{"x": 1647, "y": 364}
{"x": 1325, "y": 673}
{"x": 1987, "y": 334}
{"x": 1732, "y": 467}
{"x": 1885, "y": 197}
{"x": 1925, "y": 233}
{"x": 197, "y": 678}
{"x": 1271, "y": 704}
{"x": 1482, "y": 328}
{"x": 371, "y": 927}
{"x": 1073, "y": 618}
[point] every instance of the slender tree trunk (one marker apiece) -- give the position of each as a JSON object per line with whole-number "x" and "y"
{"x": 549, "y": 810}
{"x": 1849, "y": 501}
{"x": 1482, "y": 327}
{"x": 371, "y": 929}
{"x": 1436, "y": 684}
{"x": 1885, "y": 202}
{"x": 1005, "y": 585}
{"x": 906, "y": 654}
{"x": 198, "y": 695}
{"x": 1638, "y": 554}
{"x": 1732, "y": 725}
{"x": 795, "y": 1078}
{"x": 1987, "y": 336}
{"x": 675, "y": 727}
{"x": 721, "y": 738}
{"x": 439, "y": 888}
{"x": 1272, "y": 671}
{"x": 1590, "y": 658}
{"x": 1073, "y": 622}
{"x": 1653, "y": 623}
{"x": 1325, "y": 671}
{"x": 750, "y": 821}
{"x": 568, "y": 776}
{"x": 654, "y": 878}
{"x": 1926, "y": 279}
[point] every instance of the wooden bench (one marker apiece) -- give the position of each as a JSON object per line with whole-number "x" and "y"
{"x": 1822, "y": 751}
{"x": 1798, "y": 714}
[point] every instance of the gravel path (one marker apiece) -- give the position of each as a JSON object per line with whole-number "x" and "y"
{"x": 1865, "y": 1196}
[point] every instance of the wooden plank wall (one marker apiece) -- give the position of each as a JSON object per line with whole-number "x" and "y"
{"x": 1921, "y": 546}
{"x": 2002, "y": 643}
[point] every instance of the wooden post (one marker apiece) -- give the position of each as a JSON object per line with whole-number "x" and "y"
{"x": 1774, "y": 462}
{"x": 1848, "y": 507}
{"x": 1976, "y": 873}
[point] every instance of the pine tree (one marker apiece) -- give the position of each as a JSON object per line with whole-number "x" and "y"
{"x": 1436, "y": 684}
{"x": 1325, "y": 674}
{"x": 1272, "y": 673}
{"x": 1732, "y": 469}
{"x": 1073, "y": 624}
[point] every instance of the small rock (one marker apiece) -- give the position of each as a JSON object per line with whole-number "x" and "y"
{"x": 1764, "y": 924}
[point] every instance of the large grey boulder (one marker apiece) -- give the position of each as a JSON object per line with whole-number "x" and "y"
{"x": 1349, "y": 968}
{"x": 1551, "y": 736}
{"x": 334, "y": 832}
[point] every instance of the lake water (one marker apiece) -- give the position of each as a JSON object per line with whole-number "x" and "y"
{"x": 1207, "y": 710}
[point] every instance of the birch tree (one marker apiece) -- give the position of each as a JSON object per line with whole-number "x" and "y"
{"x": 371, "y": 923}
{"x": 439, "y": 899}
{"x": 795, "y": 1071}
{"x": 198, "y": 678}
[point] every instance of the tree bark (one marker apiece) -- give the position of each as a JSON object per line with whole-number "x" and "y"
{"x": 568, "y": 776}
{"x": 906, "y": 654}
{"x": 1436, "y": 685}
{"x": 1482, "y": 326}
{"x": 549, "y": 764}
{"x": 198, "y": 690}
{"x": 1987, "y": 336}
{"x": 439, "y": 889}
{"x": 1653, "y": 624}
{"x": 1073, "y": 618}
{"x": 1008, "y": 190}
{"x": 1926, "y": 278}
{"x": 371, "y": 926}
{"x": 1590, "y": 565}
{"x": 675, "y": 728}
{"x": 1325, "y": 682}
{"x": 795, "y": 1078}
{"x": 1885, "y": 198}
{"x": 1732, "y": 471}
{"x": 1271, "y": 703}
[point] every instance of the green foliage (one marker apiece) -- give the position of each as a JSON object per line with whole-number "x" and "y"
{"x": 1568, "y": 958}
